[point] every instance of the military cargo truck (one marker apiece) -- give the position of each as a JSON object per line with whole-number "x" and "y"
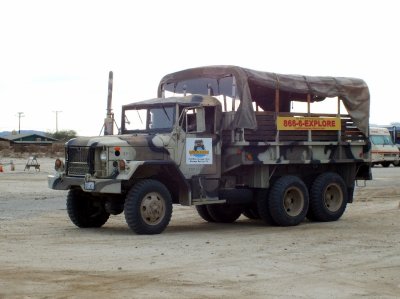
{"x": 225, "y": 140}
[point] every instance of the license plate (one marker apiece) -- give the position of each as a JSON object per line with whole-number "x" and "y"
{"x": 89, "y": 186}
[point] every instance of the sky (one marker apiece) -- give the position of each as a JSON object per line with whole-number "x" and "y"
{"x": 55, "y": 55}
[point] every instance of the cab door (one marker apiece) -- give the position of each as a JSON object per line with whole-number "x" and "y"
{"x": 199, "y": 148}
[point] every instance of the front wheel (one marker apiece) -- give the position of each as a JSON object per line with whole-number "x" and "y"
{"x": 84, "y": 210}
{"x": 148, "y": 207}
{"x": 288, "y": 201}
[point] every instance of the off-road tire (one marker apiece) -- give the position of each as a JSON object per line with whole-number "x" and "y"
{"x": 328, "y": 197}
{"x": 310, "y": 215}
{"x": 224, "y": 213}
{"x": 203, "y": 213}
{"x": 84, "y": 211}
{"x": 148, "y": 207}
{"x": 288, "y": 201}
{"x": 264, "y": 212}
{"x": 251, "y": 212}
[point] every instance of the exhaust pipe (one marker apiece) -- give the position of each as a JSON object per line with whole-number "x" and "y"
{"x": 109, "y": 120}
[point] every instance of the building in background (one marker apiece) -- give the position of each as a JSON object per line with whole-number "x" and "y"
{"x": 15, "y": 140}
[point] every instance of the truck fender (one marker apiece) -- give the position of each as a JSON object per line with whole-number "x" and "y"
{"x": 166, "y": 172}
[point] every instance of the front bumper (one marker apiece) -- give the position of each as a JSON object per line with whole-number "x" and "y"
{"x": 58, "y": 182}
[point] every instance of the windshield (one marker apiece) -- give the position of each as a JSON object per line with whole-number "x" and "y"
{"x": 381, "y": 140}
{"x": 159, "y": 119}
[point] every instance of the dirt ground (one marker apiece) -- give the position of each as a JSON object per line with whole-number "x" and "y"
{"x": 43, "y": 255}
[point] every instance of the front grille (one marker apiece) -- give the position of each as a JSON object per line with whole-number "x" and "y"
{"x": 80, "y": 160}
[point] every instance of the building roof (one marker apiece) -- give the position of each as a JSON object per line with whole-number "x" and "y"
{"x": 25, "y": 138}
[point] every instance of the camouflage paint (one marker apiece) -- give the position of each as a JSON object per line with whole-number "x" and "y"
{"x": 234, "y": 162}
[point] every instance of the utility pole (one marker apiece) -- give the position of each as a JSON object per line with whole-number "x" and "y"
{"x": 20, "y": 114}
{"x": 56, "y": 112}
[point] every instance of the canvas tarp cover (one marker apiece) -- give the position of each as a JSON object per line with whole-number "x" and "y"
{"x": 259, "y": 87}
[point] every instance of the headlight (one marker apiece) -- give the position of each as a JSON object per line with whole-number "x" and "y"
{"x": 103, "y": 156}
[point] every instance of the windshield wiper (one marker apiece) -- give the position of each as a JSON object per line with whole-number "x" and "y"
{"x": 139, "y": 116}
{"x": 165, "y": 111}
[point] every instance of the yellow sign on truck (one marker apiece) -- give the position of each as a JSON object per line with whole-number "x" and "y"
{"x": 308, "y": 123}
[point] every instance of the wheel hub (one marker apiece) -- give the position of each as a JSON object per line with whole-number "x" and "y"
{"x": 333, "y": 197}
{"x": 293, "y": 202}
{"x": 152, "y": 208}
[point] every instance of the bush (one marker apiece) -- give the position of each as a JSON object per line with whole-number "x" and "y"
{"x": 63, "y": 135}
{"x": 56, "y": 150}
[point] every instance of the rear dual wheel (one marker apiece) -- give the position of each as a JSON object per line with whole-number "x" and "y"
{"x": 222, "y": 213}
{"x": 262, "y": 200}
{"x": 203, "y": 213}
{"x": 328, "y": 197}
{"x": 251, "y": 213}
{"x": 288, "y": 201}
